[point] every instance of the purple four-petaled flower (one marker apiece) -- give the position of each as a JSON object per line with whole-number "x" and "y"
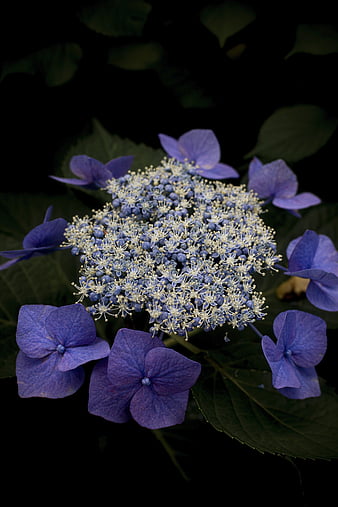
{"x": 314, "y": 256}
{"x": 54, "y": 343}
{"x": 142, "y": 379}
{"x": 277, "y": 183}
{"x": 301, "y": 345}
{"x": 42, "y": 239}
{"x": 201, "y": 147}
{"x": 93, "y": 174}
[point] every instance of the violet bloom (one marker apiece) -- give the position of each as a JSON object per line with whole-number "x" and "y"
{"x": 200, "y": 147}
{"x": 54, "y": 343}
{"x": 278, "y": 184}
{"x": 42, "y": 239}
{"x": 93, "y": 174}
{"x": 315, "y": 257}
{"x": 301, "y": 345}
{"x": 142, "y": 379}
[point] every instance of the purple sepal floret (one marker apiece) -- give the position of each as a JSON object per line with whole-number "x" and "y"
{"x": 142, "y": 379}
{"x": 54, "y": 343}
{"x": 200, "y": 147}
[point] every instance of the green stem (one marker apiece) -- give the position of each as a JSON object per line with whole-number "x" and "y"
{"x": 176, "y": 339}
{"x": 171, "y": 453}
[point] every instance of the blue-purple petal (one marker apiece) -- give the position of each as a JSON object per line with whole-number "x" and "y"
{"x": 299, "y": 201}
{"x": 48, "y": 234}
{"x": 273, "y": 180}
{"x": 302, "y": 255}
{"x": 31, "y": 335}
{"x": 153, "y": 411}
{"x": 324, "y": 293}
{"x": 170, "y": 372}
{"x": 85, "y": 167}
{"x": 171, "y": 147}
{"x": 71, "y": 326}
{"x": 76, "y": 356}
{"x": 119, "y": 166}
{"x": 254, "y": 166}
{"x": 326, "y": 256}
{"x": 73, "y": 181}
{"x": 218, "y": 172}
{"x": 200, "y": 146}
{"x": 105, "y": 400}
{"x": 41, "y": 378}
{"x": 309, "y": 388}
{"x": 127, "y": 356}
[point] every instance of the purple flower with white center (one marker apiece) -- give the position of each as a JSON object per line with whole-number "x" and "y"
{"x": 201, "y": 147}
{"x": 142, "y": 379}
{"x": 43, "y": 239}
{"x": 93, "y": 174}
{"x": 278, "y": 184}
{"x": 54, "y": 343}
{"x": 301, "y": 345}
{"x": 315, "y": 257}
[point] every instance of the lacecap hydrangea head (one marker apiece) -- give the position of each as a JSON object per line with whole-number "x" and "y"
{"x": 176, "y": 246}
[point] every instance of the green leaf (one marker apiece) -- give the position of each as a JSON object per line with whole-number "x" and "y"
{"x": 227, "y": 18}
{"x": 293, "y": 133}
{"x": 104, "y": 146}
{"x": 56, "y": 64}
{"x": 116, "y": 17}
{"x": 135, "y": 56}
{"x": 238, "y": 399}
{"x": 316, "y": 39}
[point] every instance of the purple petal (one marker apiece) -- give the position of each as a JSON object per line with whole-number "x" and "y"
{"x": 127, "y": 356}
{"x": 73, "y": 181}
{"x": 71, "y": 326}
{"x": 308, "y": 343}
{"x": 254, "y": 166}
{"x": 104, "y": 399}
{"x": 39, "y": 377}
{"x": 323, "y": 293}
{"x": 326, "y": 256}
{"x": 48, "y": 214}
{"x": 170, "y": 372}
{"x": 200, "y": 146}
{"x": 299, "y": 201}
{"x": 31, "y": 335}
{"x": 49, "y": 234}
{"x": 218, "y": 172}
{"x": 84, "y": 167}
{"x": 171, "y": 147}
{"x": 303, "y": 251}
{"x": 309, "y": 385}
{"x": 284, "y": 373}
{"x": 119, "y": 166}
{"x": 75, "y": 356}
{"x": 274, "y": 180}
{"x": 10, "y": 263}
{"x": 153, "y": 411}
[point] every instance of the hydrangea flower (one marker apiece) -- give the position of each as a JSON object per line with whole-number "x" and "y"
{"x": 42, "y": 239}
{"x": 200, "y": 147}
{"x": 314, "y": 256}
{"x": 178, "y": 247}
{"x": 142, "y": 379}
{"x": 276, "y": 182}
{"x": 54, "y": 342}
{"x": 301, "y": 345}
{"x": 92, "y": 173}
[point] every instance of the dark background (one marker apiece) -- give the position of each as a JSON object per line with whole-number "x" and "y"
{"x": 57, "y": 445}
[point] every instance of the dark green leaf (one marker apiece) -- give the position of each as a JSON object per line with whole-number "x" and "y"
{"x": 316, "y": 39}
{"x": 116, "y": 17}
{"x": 227, "y": 18}
{"x": 56, "y": 64}
{"x": 293, "y": 133}
{"x": 135, "y": 56}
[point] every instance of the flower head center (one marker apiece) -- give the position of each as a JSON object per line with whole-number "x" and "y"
{"x": 146, "y": 381}
{"x": 60, "y": 348}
